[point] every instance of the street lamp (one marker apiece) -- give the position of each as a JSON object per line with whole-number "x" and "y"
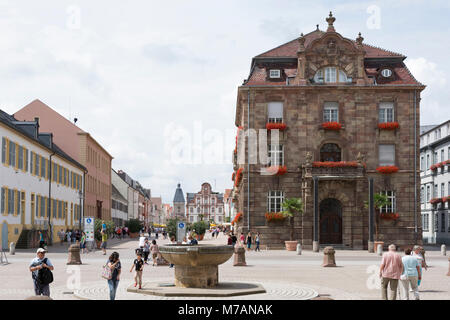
{"x": 80, "y": 196}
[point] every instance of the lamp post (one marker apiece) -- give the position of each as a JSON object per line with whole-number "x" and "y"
{"x": 80, "y": 196}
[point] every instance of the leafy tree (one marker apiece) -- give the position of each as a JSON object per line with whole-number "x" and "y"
{"x": 292, "y": 207}
{"x": 134, "y": 225}
{"x": 98, "y": 227}
{"x": 200, "y": 227}
{"x": 379, "y": 201}
{"x": 172, "y": 227}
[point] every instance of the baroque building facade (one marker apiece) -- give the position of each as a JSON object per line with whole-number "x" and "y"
{"x": 347, "y": 116}
{"x": 205, "y": 205}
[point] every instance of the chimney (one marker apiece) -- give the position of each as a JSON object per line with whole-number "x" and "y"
{"x": 36, "y": 132}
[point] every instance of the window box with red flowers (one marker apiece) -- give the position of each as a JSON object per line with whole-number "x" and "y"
{"x": 275, "y": 216}
{"x": 389, "y": 216}
{"x": 445, "y": 199}
{"x": 238, "y": 177}
{"x": 237, "y": 218}
{"x": 332, "y": 126}
{"x": 276, "y": 126}
{"x": 335, "y": 164}
{"x": 436, "y": 200}
{"x": 388, "y": 125}
{"x": 387, "y": 169}
{"x": 276, "y": 170}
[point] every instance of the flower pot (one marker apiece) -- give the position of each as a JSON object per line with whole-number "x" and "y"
{"x": 291, "y": 245}
{"x": 134, "y": 234}
{"x": 99, "y": 243}
{"x": 200, "y": 237}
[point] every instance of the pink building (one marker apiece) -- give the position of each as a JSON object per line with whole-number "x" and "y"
{"x": 82, "y": 147}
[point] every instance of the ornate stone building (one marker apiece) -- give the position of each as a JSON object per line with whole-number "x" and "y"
{"x": 205, "y": 205}
{"x": 347, "y": 114}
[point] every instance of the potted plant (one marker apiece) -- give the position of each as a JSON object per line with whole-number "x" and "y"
{"x": 379, "y": 201}
{"x": 200, "y": 229}
{"x": 292, "y": 207}
{"x": 134, "y": 226}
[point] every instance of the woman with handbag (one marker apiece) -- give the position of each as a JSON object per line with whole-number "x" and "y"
{"x": 111, "y": 272}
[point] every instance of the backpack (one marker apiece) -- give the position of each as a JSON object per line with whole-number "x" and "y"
{"x": 45, "y": 275}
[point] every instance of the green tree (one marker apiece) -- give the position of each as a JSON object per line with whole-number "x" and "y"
{"x": 134, "y": 225}
{"x": 172, "y": 228}
{"x": 98, "y": 227}
{"x": 379, "y": 201}
{"x": 292, "y": 207}
{"x": 200, "y": 227}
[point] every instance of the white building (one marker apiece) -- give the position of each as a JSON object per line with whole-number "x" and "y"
{"x": 205, "y": 205}
{"x": 435, "y": 183}
{"x": 41, "y": 186}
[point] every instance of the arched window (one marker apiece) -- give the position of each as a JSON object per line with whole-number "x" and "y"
{"x": 330, "y": 152}
{"x": 330, "y": 75}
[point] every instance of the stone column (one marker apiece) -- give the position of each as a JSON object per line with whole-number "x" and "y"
{"x": 316, "y": 215}
{"x": 371, "y": 217}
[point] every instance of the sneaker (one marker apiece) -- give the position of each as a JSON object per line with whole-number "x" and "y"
{"x": 135, "y": 284}
{"x": 140, "y": 287}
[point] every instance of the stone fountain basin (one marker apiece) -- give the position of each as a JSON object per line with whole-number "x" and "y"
{"x": 196, "y": 255}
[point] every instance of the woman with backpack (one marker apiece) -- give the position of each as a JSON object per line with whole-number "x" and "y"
{"x": 116, "y": 268}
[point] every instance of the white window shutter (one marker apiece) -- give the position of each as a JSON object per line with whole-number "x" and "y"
{"x": 275, "y": 110}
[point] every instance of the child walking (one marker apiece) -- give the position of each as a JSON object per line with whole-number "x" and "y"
{"x": 138, "y": 265}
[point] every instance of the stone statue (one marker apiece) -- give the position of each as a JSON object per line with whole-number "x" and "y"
{"x": 308, "y": 159}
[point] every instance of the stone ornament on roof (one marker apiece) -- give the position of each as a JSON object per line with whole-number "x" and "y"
{"x": 301, "y": 41}
{"x": 359, "y": 40}
{"x": 330, "y": 21}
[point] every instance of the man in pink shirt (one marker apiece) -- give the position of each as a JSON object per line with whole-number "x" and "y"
{"x": 390, "y": 270}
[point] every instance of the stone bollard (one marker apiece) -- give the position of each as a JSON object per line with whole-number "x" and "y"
{"x": 299, "y": 249}
{"x": 371, "y": 247}
{"x": 316, "y": 246}
{"x": 239, "y": 256}
{"x": 74, "y": 254}
{"x": 328, "y": 257}
{"x": 443, "y": 250}
{"x": 380, "y": 250}
{"x": 12, "y": 248}
{"x": 448, "y": 273}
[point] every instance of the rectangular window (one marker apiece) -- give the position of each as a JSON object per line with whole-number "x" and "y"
{"x": 12, "y": 154}
{"x": 275, "y": 112}
{"x": 428, "y": 193}
{"x": 442, "y": 155}
{"x": 422, "y": 195}
{"x": 59, "y": 209}
{"x": 425, "y": 222}
{"x": 32, "y": 160}
{"x": 276, "y": 155}
{"x": 11, "y": 202}
{"x": 32, "y": 203}
{"x": 442, "y": 190}
{"x": 16, "y": 202}
{"x": 37, "y": 165}
{"x": 38, "y": 206}
{"x": 428, "y": 162}
{"x": 422, "y": 164}
{"x": 391, "y": 207}
{"x": 46, "y": 206}
{"x": 54, "y": 207}
{"x": 442, "y": 222}
{"x": 435, "y": 159}
{"x": 60, "y": 176}
{"x": 435, "y": 191}
{"x": 436, "y": 222}
{"x": 331, "y": 112}
{"x": 386, "y": 154}
{"x": 43, "y": 174}
{"x": 330, "y": 74}
{"x": 274, "y": 201}
{"x": 275, "y": 73}
{"x": 4, "y": 200}
{"x": 4, "y": 151}
{"x": 20, "y": 164}
{"x": 42, "y": 209}
{"x": 25, "y": 152}
{"x": 386, "y": 112}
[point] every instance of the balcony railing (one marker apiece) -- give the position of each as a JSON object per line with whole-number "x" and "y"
{"x": 350, "y": 170}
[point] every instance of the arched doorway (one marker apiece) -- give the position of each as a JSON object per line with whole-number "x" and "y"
{"x": 330, "y": 152}
{"x": 330, "y": 221}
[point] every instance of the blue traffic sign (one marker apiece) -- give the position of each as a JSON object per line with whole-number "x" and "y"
{"x": 89, "y": 220}
{"x": 181, "y": 225}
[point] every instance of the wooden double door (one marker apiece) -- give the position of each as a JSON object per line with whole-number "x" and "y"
{"x": 330, "y": 221}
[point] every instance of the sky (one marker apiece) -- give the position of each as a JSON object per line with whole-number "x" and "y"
{"x": 155, "y": 82}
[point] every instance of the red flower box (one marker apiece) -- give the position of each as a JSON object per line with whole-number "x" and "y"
{"x": 275, "y": 216}
{"x": 387, "y": 169}
{"x": 332, "y": 125}
{"x": 238, "y": 176}
{"x": 436, "y": 200}
{"x": 274, "y": 126}
{"x": 237, "y": 218}
{"x": 433, "y": 167}
{"x": 445, "y": 199}
{"x": 337, "y": 164}
{"x": 278, "y": 170}
{"x": 388, "y": 125}
{"x": 389, "y": 216}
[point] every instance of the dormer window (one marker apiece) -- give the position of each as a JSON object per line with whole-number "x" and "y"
{"x": 330, "y": 75}
{"x": 275, "y": 74}
{"x": 386, "y": 73}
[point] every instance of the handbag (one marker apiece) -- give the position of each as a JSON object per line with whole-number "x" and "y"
{"x": 404, "y": 277}
{"x": 107, "y": 272}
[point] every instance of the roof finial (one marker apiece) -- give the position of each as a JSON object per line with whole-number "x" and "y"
{"x": 330, "y": 21}
{"x": 317, "y": 27}
{"x": 360, "y": 39}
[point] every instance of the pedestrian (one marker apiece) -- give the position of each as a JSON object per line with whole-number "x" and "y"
{"x": 249, "y": 241}
{"x": 172, "y": 241}
{"x": 257, "y": 241}
{"x": 77, "y": 236}
{"x": 116, "y": 268}
{"x": 41, "y": 240}
{"x": 184, "y": 241}
{"x": 142, "y": 241}
{"x": 233, "y": 239}
{"x": 69, "y": 236}
{"x": 40, "y": 268}
{"x": 419, "y": 253}
{"x": 104, "y": 239}
{"x": 61, "y": 235}
{"x": 83, "y": 242}
{"x": 242, "y": 239}
{"x": 119, "y": 233}
{"x": 103, "y": 226}
{"x": 192, "y": 240}
{"x": 229, "y": 240}
{"x": 72, "y": 236}
{"x": 390, "y": 270}
{"x": 410, "y": 276}
{"x": 155, "y": 251}
{"x": 138, "y": 265}
{"x": 146, "y": 250}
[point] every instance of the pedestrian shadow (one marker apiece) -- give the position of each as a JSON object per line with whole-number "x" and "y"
{"x": 431, "y": 291}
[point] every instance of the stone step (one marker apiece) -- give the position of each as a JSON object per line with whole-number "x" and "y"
{"x": 339, "y": 246}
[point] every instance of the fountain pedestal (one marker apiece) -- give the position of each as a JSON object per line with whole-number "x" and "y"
{"x": 196, "y": 277}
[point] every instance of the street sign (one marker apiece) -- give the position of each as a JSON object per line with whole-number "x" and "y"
{"x": 181, "y": 231}
{"x": 89, "y": 228}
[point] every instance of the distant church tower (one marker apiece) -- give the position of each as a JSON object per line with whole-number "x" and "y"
{"x": 179, "y": 204}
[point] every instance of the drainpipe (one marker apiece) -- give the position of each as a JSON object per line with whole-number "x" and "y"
{"x": 248, "y": 161}
{"x": 50, "y": 197}
{"x": 415, "y": 169}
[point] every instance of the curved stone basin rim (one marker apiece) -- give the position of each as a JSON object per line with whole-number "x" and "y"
{"x": 196, "y": 255}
